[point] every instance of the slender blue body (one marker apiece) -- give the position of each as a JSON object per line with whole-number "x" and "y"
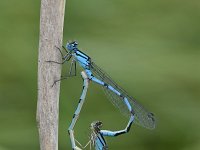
{"x": 118, "y": 96}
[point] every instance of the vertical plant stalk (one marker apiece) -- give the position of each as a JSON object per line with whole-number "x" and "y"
{"x": 51, "y": 34}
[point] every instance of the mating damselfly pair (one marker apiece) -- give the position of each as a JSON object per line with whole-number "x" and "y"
{"x": 117, "y": 95}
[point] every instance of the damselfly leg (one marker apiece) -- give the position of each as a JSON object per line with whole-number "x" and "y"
{"x": 71, "y": 72}
{"x": 65, "y": 57}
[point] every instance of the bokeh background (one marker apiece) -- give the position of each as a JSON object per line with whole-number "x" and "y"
{"x": 151, "y": 48}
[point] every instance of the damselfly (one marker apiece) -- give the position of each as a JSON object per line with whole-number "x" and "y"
{"x": 117, "y": 95}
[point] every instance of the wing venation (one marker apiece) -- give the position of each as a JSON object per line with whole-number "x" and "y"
{"x": 142, "y": 116}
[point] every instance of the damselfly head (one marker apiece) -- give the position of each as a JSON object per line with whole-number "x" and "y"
{"x": 96, "y": 125}
{"x": 72, "y": 46}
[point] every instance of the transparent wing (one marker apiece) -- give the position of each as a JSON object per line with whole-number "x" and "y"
{"x": 142, "y": 116}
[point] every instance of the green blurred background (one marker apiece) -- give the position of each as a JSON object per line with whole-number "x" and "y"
{"x": 151, "y": 48}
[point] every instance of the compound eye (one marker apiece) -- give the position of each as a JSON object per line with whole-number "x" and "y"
{"x": 99, "y": 124}
{"x": 75, "y": 43}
